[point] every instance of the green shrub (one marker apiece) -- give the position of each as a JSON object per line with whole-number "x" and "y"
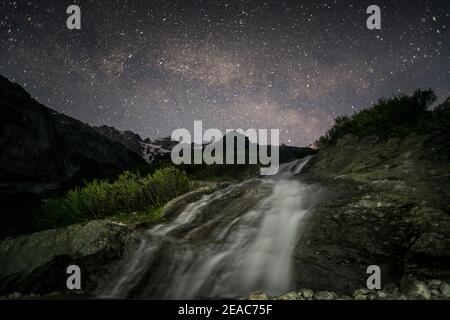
{"x": 131, "y": 192}
{"x": 395, "y": 116}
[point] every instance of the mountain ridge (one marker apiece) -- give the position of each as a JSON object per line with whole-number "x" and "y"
{"x": 44, "y": 149}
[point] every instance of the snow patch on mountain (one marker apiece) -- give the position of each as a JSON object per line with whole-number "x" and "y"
{"x": 150, "y": 150}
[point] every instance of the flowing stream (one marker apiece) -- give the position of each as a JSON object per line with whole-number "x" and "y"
{"x": 230, "y": 243}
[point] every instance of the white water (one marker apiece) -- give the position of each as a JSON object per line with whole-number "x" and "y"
{"x": 222, "y": 256}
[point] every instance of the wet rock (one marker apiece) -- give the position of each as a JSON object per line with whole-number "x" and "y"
{"x": 174, "y": 206}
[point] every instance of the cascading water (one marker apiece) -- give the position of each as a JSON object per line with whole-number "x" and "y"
{"x": 228, "y": 244}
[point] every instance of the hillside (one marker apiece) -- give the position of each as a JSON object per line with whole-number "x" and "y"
{"x": 388, "y": 206}
{"x": 371, "y": 195}
{"x": 44, "y": 151}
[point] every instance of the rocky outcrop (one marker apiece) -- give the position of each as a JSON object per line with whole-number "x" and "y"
{"x": 389, "y": 207}
{"x": 175, "y": 206}
{"x": 37, "y": 263}
{"x": 416, "y": 290}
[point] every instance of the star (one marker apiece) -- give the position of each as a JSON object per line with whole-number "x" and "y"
{"x": 153, "y": 67}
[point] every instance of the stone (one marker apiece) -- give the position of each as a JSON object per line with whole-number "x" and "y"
{"x": 325, "y": 295}
{"x": 445, "y": 289}
{"x": 418, "y": 290}
{"x": 361, "y": 292}
{"x": 289, "y": 296}
{"x": 435, "y": 283}
{"x": 306, "y": 293}
{"x": 435, "y": 292}
{"x": 258, "y": 296}
{"x": 15, "y": 295}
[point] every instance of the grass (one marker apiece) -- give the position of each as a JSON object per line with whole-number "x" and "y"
{"x": 204, "y": 172}
{"x": 131, "y": 193}
{"x": 146, "y": 215}
{"x": 396, "y": 116}
{"x": 136, "y": 195}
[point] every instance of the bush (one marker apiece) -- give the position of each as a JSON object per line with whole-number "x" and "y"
{"x": 129, "y": 193}
{"x": 395, "y": 116}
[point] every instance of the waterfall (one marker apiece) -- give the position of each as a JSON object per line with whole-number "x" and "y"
{"x": 223, "y": 245}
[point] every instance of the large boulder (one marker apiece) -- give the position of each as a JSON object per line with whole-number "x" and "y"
{"x": 388, "y": 207}
{"x": 37, "y": 263}
{"x": 177, "y": 205}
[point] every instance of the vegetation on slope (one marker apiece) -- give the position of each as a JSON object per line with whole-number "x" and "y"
{"x": 135, "y": 195}
{"x": 396, "y": 116}
{"x": 130, "y": 193}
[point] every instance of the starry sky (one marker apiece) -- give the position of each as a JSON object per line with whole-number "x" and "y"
{"x": 155, "y": 66}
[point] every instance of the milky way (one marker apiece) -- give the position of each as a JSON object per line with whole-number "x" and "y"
{"x": 154, "y": 66}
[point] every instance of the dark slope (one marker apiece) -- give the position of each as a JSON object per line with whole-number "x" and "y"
{"x": 43, "y": 151}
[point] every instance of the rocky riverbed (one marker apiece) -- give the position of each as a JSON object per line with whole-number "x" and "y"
{"x": 414, "y": 290}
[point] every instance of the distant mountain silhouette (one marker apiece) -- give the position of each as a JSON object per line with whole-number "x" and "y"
{"x": 43, "y": 149}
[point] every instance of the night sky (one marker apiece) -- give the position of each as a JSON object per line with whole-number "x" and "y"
{"x": 155, "y": 66}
